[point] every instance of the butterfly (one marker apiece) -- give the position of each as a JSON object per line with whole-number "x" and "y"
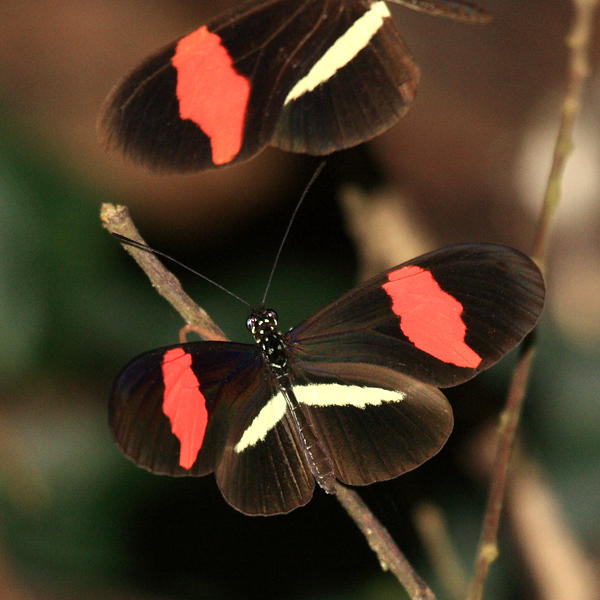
{"x": 309, "y": 76}
{"x": 350, "y": 394}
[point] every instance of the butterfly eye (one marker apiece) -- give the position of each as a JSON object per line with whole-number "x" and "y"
{"x": 271, "y": 314}
{"x": 250, "y": 323}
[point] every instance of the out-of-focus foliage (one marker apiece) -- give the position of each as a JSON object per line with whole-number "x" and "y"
{"x": 76, "y": 518}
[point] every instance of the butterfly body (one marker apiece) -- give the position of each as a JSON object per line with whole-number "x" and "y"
{"x": 351, "y": 393}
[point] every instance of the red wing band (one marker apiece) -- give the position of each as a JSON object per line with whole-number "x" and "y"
{"x": 430, "y": 317}
{"x": 211, "y": 92}
{"x": 184, "y": 404}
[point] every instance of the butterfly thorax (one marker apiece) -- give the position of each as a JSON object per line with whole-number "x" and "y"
{"x": 262, "y": 324}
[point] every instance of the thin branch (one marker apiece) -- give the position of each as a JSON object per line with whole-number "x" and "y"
{"x": 381, "y": 542}
{"x": 487, "y": 550}
{"x": 578, "y": 42}
{"x": 431, "y": 525}
{"x": 560, "y": 568}
{"x": 384, "y": 231}
{"x": 116, "y": 219}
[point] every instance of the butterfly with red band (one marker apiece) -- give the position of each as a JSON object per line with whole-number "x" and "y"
{"x": 350, "y": 394}
{"x": 311, "y": 76}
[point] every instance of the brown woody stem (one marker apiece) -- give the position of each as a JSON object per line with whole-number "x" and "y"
{"x": 578, "y": 42}
{"x": 116, "y": 219}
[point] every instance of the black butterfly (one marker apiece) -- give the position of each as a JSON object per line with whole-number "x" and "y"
{"x": 310, "y": 76}
{"x": 350, "y": 393}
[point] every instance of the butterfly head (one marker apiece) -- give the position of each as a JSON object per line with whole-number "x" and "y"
{"x": 262, "y": 324}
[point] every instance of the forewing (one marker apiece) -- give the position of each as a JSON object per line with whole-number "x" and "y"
{"x": 466, "y": 12}
{"x": 170, "y": 409}
{"x": 222, "y": 93}
{"x": 440, "y": 318}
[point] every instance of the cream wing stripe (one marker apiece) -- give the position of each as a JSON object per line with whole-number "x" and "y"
{"x": 336, "y": 394}
{"x": 344, "y": 49}
{"x": 271, "y": 413}
{"x": 326, "y": 394}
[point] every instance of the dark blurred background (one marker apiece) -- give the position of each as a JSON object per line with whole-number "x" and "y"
{"x": 468, "y": 163}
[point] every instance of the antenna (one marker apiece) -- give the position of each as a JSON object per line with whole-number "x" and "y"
{"x": 289, "y": 226}
{"x": 142, "y": 246}
{"x": 146, "y": 248}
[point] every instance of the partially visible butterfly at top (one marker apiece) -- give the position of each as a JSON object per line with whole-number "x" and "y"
{"x": 309, "y": 76}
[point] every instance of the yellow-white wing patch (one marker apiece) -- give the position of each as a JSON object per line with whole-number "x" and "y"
{"x": 335, "y": 394}
{"x": 342, "y": 51}
{"x": 325, "y": 394}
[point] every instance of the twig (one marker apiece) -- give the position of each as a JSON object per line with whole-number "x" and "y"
{"x": 116, "y": 219}
{"x": 384, "y": 231}
{"x": 578, "y": 42}
{"x": 433, "y": 531}
{"x": 381, "y": 542}
{"x": 487, "y": 550}
{"x": 560, "y": 569}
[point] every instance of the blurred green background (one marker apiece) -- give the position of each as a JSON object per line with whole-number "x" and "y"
{"x": 467, "y": 163}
